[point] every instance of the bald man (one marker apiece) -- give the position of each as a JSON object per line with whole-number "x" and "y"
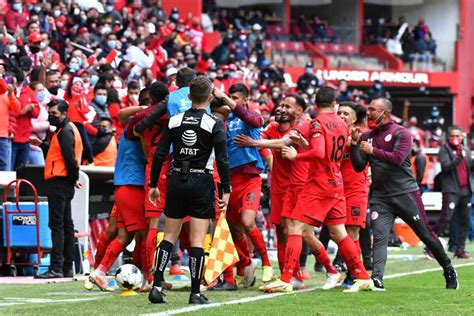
{"x": 394, "y": 191}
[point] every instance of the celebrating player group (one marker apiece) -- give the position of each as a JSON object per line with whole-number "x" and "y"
{"x": 195, "y": 152}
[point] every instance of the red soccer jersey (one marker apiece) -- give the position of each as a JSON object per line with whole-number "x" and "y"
{"x": 355, "y": 183}
{"x": 281, "y": 167}
{"x": 300, "y": 169}
{"x": 325, "y": 174}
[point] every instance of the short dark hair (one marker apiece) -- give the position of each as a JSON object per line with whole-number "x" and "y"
{"x": 144, "y": 97}
{"x": 100, "y": 87}
{"x": 299, "y": 100}
{"x": 105, "y": 118}
{"x": 133, "y": 85}
{"x": 51, "y": 73}
{"x": 239, "y": 87}
{"x": 62, "y": 105}
{"x": 200, "y": 89}
{"x": 325, "y": 97}
{"x": 184, "y": 77}
{"x": 158, "y": 91}
{"x": 361, "y": 112}
{"x": 455, "y": 128}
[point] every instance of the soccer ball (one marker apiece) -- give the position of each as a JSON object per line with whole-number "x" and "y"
{"x": 129, "y": 277}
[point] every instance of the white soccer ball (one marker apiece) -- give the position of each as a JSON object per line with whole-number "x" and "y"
{"x": 129, "y": 277}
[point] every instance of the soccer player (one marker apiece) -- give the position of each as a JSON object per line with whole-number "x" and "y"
{"x": 198, "y": 138}
{"x": 246, "y": 165}
{"x": 356, "y": 186}
{"x": 394, "y": 191}
{"x": 322, "y": 198}
{"x": 292, "y": 118}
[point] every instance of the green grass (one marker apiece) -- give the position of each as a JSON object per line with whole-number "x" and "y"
{"x": 410, "y": 295}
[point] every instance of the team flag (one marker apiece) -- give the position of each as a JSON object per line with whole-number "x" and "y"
{"x": 223, "y": 252}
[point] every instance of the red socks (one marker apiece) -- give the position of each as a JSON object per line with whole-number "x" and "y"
{"x": 257, "y": 240}
{"x": 242, "y": 246}
{"x": 137, "y": 255}
{"x": 104, "y": 242}
{"x": 349, "y": 252}
{"x": 292, "y": 256}
{"x": 281, "y": 247}
{"x": 150, "y": 248}
{"x": 357, "y": 243}
{"x": 113, "y": 251}
{"x": 229, "y": 275}
{"x": 323, "y": 258}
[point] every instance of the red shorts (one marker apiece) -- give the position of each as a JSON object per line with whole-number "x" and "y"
{"x": 289, "y": 202}
{"x": 246, "y": 190}
{"x": 276, "y": 207}
{"x": 130, "y": 212}
{"x": 356, "y": 210}
{"x": 152, "y": 211}
{"x": 315, "y": 209}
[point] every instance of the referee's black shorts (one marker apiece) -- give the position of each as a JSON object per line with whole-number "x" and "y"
{"x": 191, "y": 195}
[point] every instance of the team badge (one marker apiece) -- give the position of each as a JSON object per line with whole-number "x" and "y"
{"x": 452, "y": 205}
{"x": 251, "y": 196}
{"x": 374, "y": 215}
{"x": 388, "y": 138}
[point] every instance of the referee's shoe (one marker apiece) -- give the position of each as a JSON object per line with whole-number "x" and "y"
{"x": 156, "y": 296}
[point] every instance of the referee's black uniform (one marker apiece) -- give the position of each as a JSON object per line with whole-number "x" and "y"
{"x": 198, "y": 139}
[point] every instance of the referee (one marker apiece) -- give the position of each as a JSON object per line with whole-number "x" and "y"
{"x": 394, "y": 191}
{"x": 198, "y": 138}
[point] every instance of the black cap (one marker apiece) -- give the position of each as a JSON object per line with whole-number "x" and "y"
{"x": 309, "y": 65}
{"x": 175, "y": 10}
{"x": 25, "y": 63}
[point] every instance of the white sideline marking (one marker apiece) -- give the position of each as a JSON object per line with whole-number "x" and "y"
{"x": 21, "y": 300}
{"x": 268, "y": 296}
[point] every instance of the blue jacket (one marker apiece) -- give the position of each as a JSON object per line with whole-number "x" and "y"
{"x": 179, "y": 101}
{"x": 130, "y": 164}
{"x": 239, "y": 156}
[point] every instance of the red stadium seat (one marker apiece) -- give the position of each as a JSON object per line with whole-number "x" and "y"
{"x": 322, "y": 47}
{"x": 335, "y": 48}
{"x": 296, "y": 47}
{"x": 281, "y": 46}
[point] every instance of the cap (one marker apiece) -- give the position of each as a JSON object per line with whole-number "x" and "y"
{"x": 232, "y": 67}
{"x": 262, "y": 88}
{"x": 309, "y": 65}
{"x": 171, "y": 71}
{"x": 243, "y": 31}
{"x": 180, "y": 21}
{"x": 82, "y": 30}
{"x": 225, "y": 67}
{"x": 257, "y": 27}
{"x": 264, "y": 108}
{"x": 25, "y": 63}
{"x": 175, "y": 10}
{"x": 35, "y": 37}
{"x": 77, "y": 79}
{"x": 83, "y": 71}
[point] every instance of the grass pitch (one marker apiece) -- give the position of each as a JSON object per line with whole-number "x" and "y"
{"x": 415, "y": 294}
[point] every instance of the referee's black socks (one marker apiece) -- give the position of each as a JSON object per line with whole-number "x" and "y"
{"x": 196, "y": 267}
{"x": 163, "y": 254}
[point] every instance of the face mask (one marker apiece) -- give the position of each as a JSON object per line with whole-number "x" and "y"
{"x": 43, "y": 45}
{"x": 94, "y": 79}
{"x": 212, "y": 75}
{"x": 34, "y": 49}
{"x": 63, "y": 84}
{"x": 133, "y": 97}
{"x": 12, "y": 49}
{"x": 378, "y": 86}
{"x": 454, "y": 142}
{"x": 40, "y": 96}
{"x": 309, "y": 71}
{"x": 74, "y": 67}
{"x": 373, "y": 124}
{"x": 253, "y": 60}
{"x": 56, "y": 13}
{"x": 111, "y": 44}
{"x": 54, "y": 120}
{"x": 100, "y": 99}
{"x": 275, "y": 95}
{"x": 175, "y": 16}
{"x": 17, "y": 7}
{"x": 53, "y": 90}
{"x": 232, "y": 75}
{"x": 109, "y": 8}
{"x": 310, "y": 91}
{"x": 38, "y": 8}
{"x": 243, "y": 37}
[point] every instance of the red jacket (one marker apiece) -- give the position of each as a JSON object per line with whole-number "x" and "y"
{"x": 14, "y": 19}
{"x": 24, "y": 129}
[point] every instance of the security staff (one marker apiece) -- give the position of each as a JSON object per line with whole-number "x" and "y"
{"x": 105, "y": 146}
{"x": 198, "y": 138}
{"x": 61, "y": 173}
{"x": 394, "y": 191}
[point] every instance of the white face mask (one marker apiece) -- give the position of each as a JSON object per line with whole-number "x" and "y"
{"x": 12, "y": 49}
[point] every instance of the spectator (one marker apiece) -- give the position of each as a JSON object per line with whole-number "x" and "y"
{"x": 308, "y": 79}
{"x": 40, "y": 124}
{"x": 378, "y": 91}
{"x": 8, "y": 103}
{"x": 420, "y": 165}
{"x": 24, "y": 129}
{"x": 15, "y": 18}
{"x": 456, "y": 168}
{"x": 105, "y": 146}
{"x": 344, "y": 94}
{"x": 98, "y": 109}
{"x": 319, "y": 30}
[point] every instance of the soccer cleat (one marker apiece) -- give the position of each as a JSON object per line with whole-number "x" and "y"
{"x": 348, "y": 281}
{"x": 361, "y": 285}
{"x": 451, "y": 277}
{"x": 305, "y": 274}
{"x": 223, "y": 286}
{"x": 277, "y": 286}
{"x": 428, "y": 254}
{"x": 50, "y": 274}
{"x": 378, "y": 285}
{"x": 198, "y": 299}
{"x": 461, "y": 255}
{"x": 249, "y": 274}
{"x": 100, "y": 281}
{"x": 176, "y": 269}
{"x": 267, "y": 274}
{"x": 156, "y": 296}
{"x": 333, "y": 280}
{"x": 297, "y": 284}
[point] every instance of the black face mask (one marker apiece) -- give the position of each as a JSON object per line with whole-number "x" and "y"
{"x": 413, "y": 152}
{"x": 54, "y": 120}
{"x": 53, "y": 90}
{"x": 34, "y": 49}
